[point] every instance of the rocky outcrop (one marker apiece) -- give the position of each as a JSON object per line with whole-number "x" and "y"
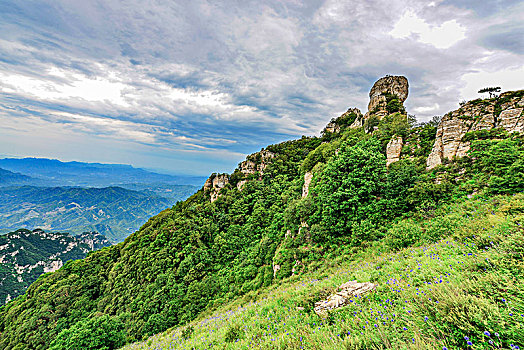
{"x": 215, "y": 183}
{"x": 307, "y": 180}
{"x": 256, "y": 162}
{"x": 393, "y": 150}
{"x": 392, "y": 85}
{"x": 503, "y": 112}
{"x": 384, "y": 89}
{"x": 346, "y": 119}
{"x": 346, "y": 291}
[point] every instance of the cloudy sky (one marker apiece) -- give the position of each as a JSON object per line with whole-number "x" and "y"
{"x": 193, "y": 86}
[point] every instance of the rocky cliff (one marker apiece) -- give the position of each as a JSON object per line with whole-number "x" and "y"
{"x": 25, "y": 255}
{"x": 384, "y": 89}
{"x": 387, "y": 96}
{"x": 214, "y": 184}
{"x": 503, "y": 112}
{"x": 256, "y": 162}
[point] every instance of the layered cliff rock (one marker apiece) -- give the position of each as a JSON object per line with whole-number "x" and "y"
{"x": 393, "y": 150}
{"x": 214, "y": 184}
{"x": 503, "y": 112}
{"x": 389, "y": 85}
{"x": 387, "y": 96}
{"x": 256, "y": 162}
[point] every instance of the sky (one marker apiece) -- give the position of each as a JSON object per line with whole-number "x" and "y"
{"x": 192, "y": 87}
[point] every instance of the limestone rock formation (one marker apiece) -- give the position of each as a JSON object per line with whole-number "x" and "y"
{"x": 393, "y": 85}
{"x": 256, "y": 162}
{"x": 502, "y": 112}
{"x": 215, "y": 183}
{"x": 346, "y": 291}
{"x": 307, "y": 180}
{"x": 384, "y": 88}
{"x": 393, "y": 150}
{"x": 348, "y": 118}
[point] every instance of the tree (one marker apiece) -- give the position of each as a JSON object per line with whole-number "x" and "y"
{"x": 491, "y": 90}
{"x": 348, "y": 190}
{"x": 104, "y": 332}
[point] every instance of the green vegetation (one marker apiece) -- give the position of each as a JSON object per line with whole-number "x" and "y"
{"x": 393, "y": 104}
{"x": 459, "y": 281}
{"x": 25, "y": 255}
{"x": 251, "y": 245}
{"x": 102, "y": 333}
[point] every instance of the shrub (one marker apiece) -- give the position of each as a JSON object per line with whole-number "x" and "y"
{"x": 104, "y": 332}
{"x": 403, "y": 234}
{"x": 233, "y": 333}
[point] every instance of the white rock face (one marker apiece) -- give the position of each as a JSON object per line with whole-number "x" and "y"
{"x": 53, "y": 266}
{"x": 474, "y": 116}
{"x": 346, "y": 291}
{"x": 256, "y": 162}
{"x": 393, "y": 150}
{"x": 307, "y": 180}
{"x": 215, "y": 183}
{"x": 511, "y": 120}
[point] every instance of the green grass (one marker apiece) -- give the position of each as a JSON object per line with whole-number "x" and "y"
{"x": 467, "y": 283}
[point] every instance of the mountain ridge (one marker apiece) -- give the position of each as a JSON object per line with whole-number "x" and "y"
{"x": 76, "y": 173}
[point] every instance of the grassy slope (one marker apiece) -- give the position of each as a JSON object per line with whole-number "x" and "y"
{"x": 429, "y": 296}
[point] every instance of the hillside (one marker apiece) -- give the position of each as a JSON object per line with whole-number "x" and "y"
{"x": 113, "y": 211}
{"x": 361, "y": 189}
{"x": 461, "y": 288}
{"x": 25, "y": 255}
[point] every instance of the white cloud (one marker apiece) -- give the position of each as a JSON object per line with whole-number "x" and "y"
{"x": 70, "y": 86}
{"x": 427, "y": 109}
{"x": 442, "y": 37}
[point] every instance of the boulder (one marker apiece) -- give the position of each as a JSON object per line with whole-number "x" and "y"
{"x": 345, "y": 293}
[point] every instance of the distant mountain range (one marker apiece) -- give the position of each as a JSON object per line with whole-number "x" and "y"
{"x": 9, "y": 178}
{"x": 113, "y": 211}
{"x": 112, "y": 199}
{"x": 57, "y": 173}
{"x": 25, "y": 255}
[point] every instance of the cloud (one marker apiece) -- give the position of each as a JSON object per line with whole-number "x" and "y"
{"x": 203, "y": 83}
{"x": 442, "y": 36}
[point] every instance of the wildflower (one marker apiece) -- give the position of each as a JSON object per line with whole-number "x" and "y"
{"x": 486, "y": 333}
